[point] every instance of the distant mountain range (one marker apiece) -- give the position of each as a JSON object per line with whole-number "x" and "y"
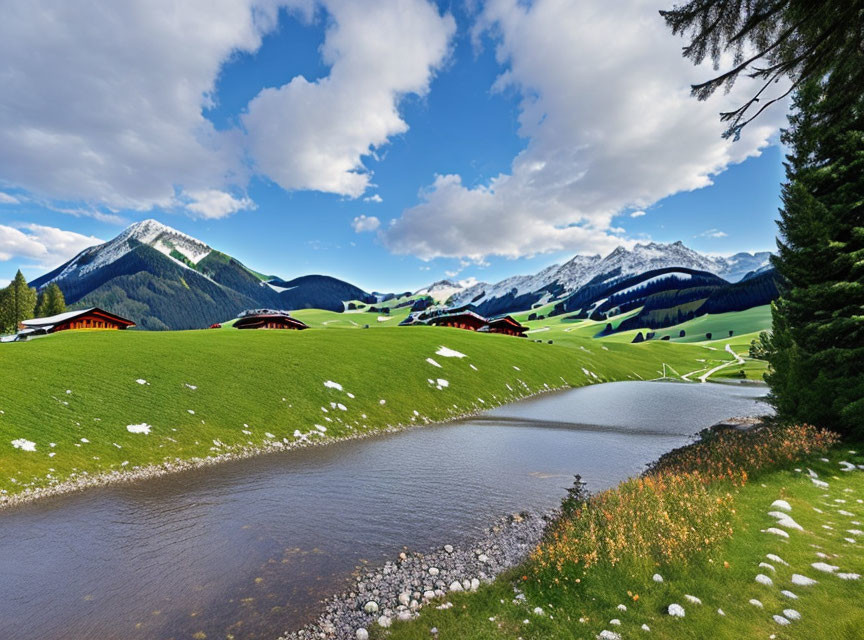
{"x": 164, "y": 279}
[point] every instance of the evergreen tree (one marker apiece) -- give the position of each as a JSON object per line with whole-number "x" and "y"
{"x": 816, "y": 351}
{"x": 18, "y": 303}
{"x": 50, "y": 302}
{"x": 801, "y": 40}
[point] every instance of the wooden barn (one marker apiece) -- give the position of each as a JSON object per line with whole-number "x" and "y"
{"x": 459, "y": 319}
{"x": 506, "y": 325}
{"x": 92, "y": 318}
{"x": 269, "y": 320}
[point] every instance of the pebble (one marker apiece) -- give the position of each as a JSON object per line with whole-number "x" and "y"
{"x": 645, "y": 627}
{"x": 657, "y": 577}
{"x": 763, "y": 579}
{"x": 608, "y": 635}
{"x": 791, "y": 614}
{"x": 802, "y": 581}
{"x": 756, "y": 603}
{"x": 777, "y": 559}
{"x": 362, "y": 634}
{"x": 384, "y": 621}
{"x": 780, "y": 620}
{"x": 789, "y": 594}
{"x": 676, "y": 610}
{"x": 781, "y": 504}
{"x": 693, "y": 599}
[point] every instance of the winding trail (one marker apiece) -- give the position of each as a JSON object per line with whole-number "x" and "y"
{"x": 738, "y": 360}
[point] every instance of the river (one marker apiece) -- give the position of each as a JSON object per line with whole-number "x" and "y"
{"x": 249, "y": 548}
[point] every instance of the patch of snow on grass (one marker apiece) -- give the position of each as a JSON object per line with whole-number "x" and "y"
{"x": 781, "y": 504}
{"x": 24, "y": 445}
{"x": 676, "y": 610}
{"x": 141, "y": 381}
{"x": 139, "y": 428}
{"x": 333, "y": 385}
{"x": 802, "y": 581}
{"x": 445, "y": 352}
{"x": 433, "y": 363}
{"x": 442, "y": 383}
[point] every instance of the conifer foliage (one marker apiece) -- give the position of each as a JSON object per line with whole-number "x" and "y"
{"x": 17, "y": 303}
{"x": 816, "y": 351}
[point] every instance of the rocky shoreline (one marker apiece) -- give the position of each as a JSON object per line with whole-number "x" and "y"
{"x": 85, "y": 480}
{"x": 399, "y": 589}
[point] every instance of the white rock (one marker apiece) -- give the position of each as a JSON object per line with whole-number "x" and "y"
{"x": 403, "y": 616}
{"x": 781, "y": 504}
{"x": 693, "y": 599}
{"x": 404, "y": 598}
{"x": 819, "y": 483}
{"x": 721, "y": 612}
{"x": 822, "y": 566}
{"x": 428, "y": 594}
{"x": 763, "y": 579}
{"x": 777, "y": 559}
{"x": 849, "y": 576}
{"x": 802, "y": 581}
{"x": 475, "y": 584}
{"x": 775, "y": 531}
{"x": 361, "y": 634}
{"x": 791, "y": 614}
{"x": 538, "y": 611}
{"x": 448, "y": 548}
{"x": 676, "y": 610}
{"x": 789, "y": 594}
{"x": 433, "y": 571}
{"x": 645, "y": 627}
{"x": 756, "y": 603}
{"x": 483, "y": 557}
{"x": 765, "y": 565}
{"x": 657, "y": 577}
{"x": 615, "y": 622}
{"x": 371, "y": 607}
{"x": 455, "y": 586}
{"x": 608, "y": 635}
{"x": 780, "y": 620}
{"x": 622, "y": 607}
{"x": 384, "y": 621}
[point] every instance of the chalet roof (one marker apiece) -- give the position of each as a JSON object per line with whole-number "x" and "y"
{"x": 51, "y": 321}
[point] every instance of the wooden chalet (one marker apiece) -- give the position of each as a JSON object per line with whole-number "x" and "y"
{"x": 459, "y": 319}
{"x": 269, "y": 320}
{"x": 506, "y": 325}
{"x": 92, "y": 318}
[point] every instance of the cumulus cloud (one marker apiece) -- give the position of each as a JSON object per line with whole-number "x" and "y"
{"x": 605, "y": 106}
{"x": 213, "y": 203}
{"x": 373, "y": 198}
{"x": 637, "y": 214}
{"x": 102, "y": 101}
{"x": 6, "y": 198}
{"x": 47, "y": 246}
{"x": 314, "y": 135}
{"x": 711, "y": 233}
{"x": 365, "y": 223}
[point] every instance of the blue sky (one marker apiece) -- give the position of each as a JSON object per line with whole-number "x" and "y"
{"x": 390, "y": 146}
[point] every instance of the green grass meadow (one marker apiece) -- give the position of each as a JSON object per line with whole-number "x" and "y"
{"x": 73, "y": 394}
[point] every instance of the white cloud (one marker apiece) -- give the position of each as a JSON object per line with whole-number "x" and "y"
{"x": 314, "y": 135}
{"x": 637, "y": 214}
{"x": 711, "y": 233}
{"x": 6, "y": 198}
{"x": 373, "y": 198}
{"x": 102, "y": 101}
{"x": 213, "y": 203}
{"x": 605, "y": 106}
{"x": 48, "y": 246}
{"x": 363, "y": 223}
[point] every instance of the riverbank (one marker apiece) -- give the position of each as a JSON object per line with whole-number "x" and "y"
{"x": 92, "y": 408}
{"x": 764, "y": 509}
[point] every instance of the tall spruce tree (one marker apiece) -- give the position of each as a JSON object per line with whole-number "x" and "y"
{"x": 17, "y": 303}
{"x": 816, "y": 351}
{"x": 50, "y": 301}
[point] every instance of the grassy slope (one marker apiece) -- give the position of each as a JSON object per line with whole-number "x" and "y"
{"x": 829, "y": 609}
{"x": 272, "y": 381}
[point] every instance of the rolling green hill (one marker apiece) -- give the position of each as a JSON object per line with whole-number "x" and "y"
{"x": 76, "y": 397}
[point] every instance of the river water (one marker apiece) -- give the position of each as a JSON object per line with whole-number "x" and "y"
{"x": 248, "y": 548}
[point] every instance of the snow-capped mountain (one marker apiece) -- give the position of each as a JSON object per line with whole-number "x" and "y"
{"x": 442, "y": 290}
{"x": 178, "y": 246}
{"x": 165, "y": 279}
{"x": 556, "y": 281}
